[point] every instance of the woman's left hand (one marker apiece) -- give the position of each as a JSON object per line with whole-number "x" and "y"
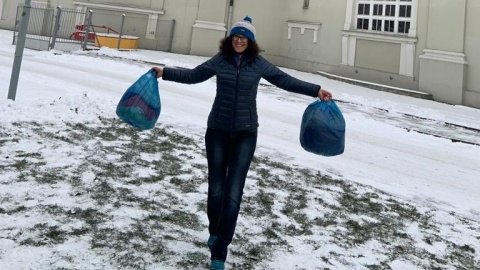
{"x": 324, "y": 94}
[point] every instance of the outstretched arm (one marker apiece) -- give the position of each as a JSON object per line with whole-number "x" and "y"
{"x": 282, "y": 80}
{"x": 190, "y": 76}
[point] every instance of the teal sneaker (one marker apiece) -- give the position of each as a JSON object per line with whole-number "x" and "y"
{"x": 217, "y": 265}
{"x": 211, "y": 240}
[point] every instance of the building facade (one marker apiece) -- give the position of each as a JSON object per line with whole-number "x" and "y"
{"x": 425, "y": 45}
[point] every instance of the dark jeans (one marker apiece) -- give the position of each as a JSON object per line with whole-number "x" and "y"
{"x": 229, "y": 155}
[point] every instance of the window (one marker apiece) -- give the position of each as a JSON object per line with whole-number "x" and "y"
{"x": 389, "y": 21}
{"x": 384, "y": 16}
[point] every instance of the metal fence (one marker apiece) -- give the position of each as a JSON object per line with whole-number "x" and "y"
{"x": 39, "y": 27}
{"x": 131, "y": 24}
{"x": 71, "y": 29}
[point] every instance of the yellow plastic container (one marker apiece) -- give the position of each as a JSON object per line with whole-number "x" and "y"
{"x": 111, "y": 41}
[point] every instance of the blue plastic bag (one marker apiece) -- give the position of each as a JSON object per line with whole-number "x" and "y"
{"x": 323, "y": 129}
{"x": 140, "y": 105}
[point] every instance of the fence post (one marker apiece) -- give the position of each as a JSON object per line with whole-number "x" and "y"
{"x": 87, "y": 29}
{"x": 46, "y": 22}
{"x": 171, "y": 36}
{"x": 121, "y": 32}
{"x": 15, "y": 28}
{"x": 17, "y": 61}
{"x": 56, "y": 27}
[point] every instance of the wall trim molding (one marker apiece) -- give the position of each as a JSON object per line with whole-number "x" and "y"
{"x": 380, "y": 37}
{"x": 444, "y": 56}
{"x": 210, "y": 25}
{"x": 407, "y": 49}
{"x": 304, "y": 25}
{"x": 120, "y": 8}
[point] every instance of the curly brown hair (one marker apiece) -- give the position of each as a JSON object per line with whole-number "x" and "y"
{"x": 226, "y": 48}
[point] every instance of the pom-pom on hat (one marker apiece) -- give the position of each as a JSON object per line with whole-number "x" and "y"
{"x": 244, "y": 27}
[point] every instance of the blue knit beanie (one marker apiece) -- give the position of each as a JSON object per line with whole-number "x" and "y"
{"x": 244, "y": 27}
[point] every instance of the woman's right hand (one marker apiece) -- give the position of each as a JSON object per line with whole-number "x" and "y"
{"x": 159, "y": 71}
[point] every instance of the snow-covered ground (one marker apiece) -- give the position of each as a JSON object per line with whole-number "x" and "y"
{"x": 419, "y": 151}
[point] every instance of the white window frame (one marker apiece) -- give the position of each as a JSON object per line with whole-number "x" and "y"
{"x": 383, "y": 18}
{"x": 407, "y": 41}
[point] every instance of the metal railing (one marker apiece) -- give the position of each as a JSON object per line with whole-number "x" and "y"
{"x": 71, "y": 29}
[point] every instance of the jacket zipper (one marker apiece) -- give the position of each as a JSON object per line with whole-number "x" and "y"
{"x": 236, "y": 93}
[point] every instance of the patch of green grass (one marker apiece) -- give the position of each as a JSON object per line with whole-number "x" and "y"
{"x": 51, "y": 176}
{"x": 186, "y": 186}
{"x": 102, "y": 192}
{"x": 326, "y": 221}
{"x": 20, "y": 165}
{"x": 193, "y": 260}
{"x": 257, "y": 160}
{"x": 109, "y": 170}
{"x": 16, "y": 210}
{"x": 184, "y": 219}
{"x": 266, "y": 200}
{"x": 280, "y": 209}
{"x": 463, "y": 256}
{"x": 270, "y": 233}
{"x": 7, "y": 137}
{"x": 45, "y": 235}
{"x": 360, "y": 204}
{"x": 296, "y": 201}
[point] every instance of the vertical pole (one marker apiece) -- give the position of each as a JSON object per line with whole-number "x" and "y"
{"x": 56, "y": 27}
{"x": 16, "y": 28}
{"x": 17, "y": 61}
{"x": 121, "y": 32}
{"x": 172, "y": 30}
{"x": 86, "y": 26}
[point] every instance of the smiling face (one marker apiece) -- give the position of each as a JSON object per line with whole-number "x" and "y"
{"x": 239, "y": 43}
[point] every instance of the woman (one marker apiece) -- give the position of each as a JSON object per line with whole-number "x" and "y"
{"x": 231, "y": 135}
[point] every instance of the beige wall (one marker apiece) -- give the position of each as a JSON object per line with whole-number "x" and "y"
{"x": 472, "y": 45}
{"x": 209, "y": 27}
{"x": 300, "y": 52}
{"x": 184, "y": 12}
{"x": 381, "y": 56}
{"x": 446, "y": 35}
{"x": 269, "y": 20}
{"x": 422, "y": 32}
{"x": 444, "y": 80}
{"x": 8, "y": 14}
{"x": 443, "y": 68}
{"x": 446, "y": 25}
{"x": 212, "y": 10}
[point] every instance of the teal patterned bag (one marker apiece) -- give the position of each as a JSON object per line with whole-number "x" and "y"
{"x": 140, "y": 105}
{"x": 323, "y": 129}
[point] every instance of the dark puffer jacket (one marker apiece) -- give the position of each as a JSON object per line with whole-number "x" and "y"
{"x": 235, "y": 106}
